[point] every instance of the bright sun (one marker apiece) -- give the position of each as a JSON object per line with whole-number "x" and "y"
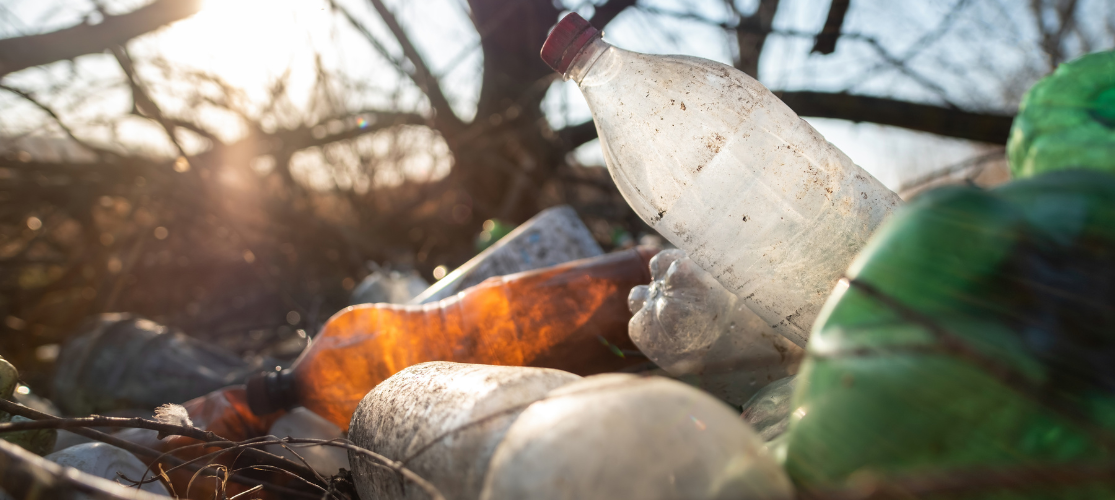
{"x": 247, "y": 42}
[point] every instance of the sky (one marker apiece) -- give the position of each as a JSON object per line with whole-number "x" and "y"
{"x": 977, "y": 62}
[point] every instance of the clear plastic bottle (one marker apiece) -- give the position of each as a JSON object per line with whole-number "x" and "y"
{"x": 723, "y": 169}
{"x": 445, "y": 421}
{"x": 618, "y": 436}
{"x": 690, "y": 326}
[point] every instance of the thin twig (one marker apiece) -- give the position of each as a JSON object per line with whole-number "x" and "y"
{"x": 100, "y": 153}
{"x": 143, "y": 451}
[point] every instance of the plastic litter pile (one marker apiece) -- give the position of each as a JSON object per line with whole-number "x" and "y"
{"x": 806, "y": 336}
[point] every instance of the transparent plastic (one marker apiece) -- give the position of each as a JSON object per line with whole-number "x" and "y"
{"x": 768, "y": 411}
{"x": 444, "y": 420}
{"x": 303, "y": 423}
{"x": 108, "y": 462}
{"x": 695, "y": 329}
{"x": 723, "y": 169}
{"x": 620, "y": 436}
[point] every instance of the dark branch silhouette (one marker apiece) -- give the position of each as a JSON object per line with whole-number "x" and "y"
{"x": 947, "y": 122}
{"x": 830, "y": 33}
{"x": 35, "y": 50}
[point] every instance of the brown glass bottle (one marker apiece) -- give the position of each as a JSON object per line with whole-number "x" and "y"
{"x": 571, "y": 317}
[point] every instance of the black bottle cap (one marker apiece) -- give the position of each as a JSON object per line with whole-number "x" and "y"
{"x": 269, "y": 392}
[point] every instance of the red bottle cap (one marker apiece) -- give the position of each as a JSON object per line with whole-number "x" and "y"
{"x": 566, "y": 41}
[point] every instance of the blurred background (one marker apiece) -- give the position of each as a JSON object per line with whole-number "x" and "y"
{"x": 234, "y": 168}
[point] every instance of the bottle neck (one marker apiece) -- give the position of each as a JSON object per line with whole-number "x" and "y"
{"x": 582, "y": 64}
{"x": 271, "y": 392}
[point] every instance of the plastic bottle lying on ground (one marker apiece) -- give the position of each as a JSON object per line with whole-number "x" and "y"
{"x": 553, "y": 236}
{"x": 29, "y": 476}
{"x": 106, "y": 461}
{"x": 714, "y": 162}
{"x": 125, "y": 362}
{"x": 303, "y": 423}
{"x": 444, "y": 420}
{"x": 571, "y": 317}
{"x": 619, "y": 436}
{"x": 690, "y": 326}
{"x": 388, "y": 285}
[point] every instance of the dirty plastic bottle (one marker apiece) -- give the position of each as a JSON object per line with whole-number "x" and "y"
{"x": 388, "y": 285}
{"x": 29, "y": 476}
{"x": 108, "y": 462}
{"x": 553, "y": 236}
{"x": 571, "y": 317}
{"x": 445, "y": 420}
{"x": 127, "y": 362}
{"x": 722, "y": 168}
{"x": 694, "y": 329}
{"x": 619, "y": 436}
{"x": 303, "y": 423}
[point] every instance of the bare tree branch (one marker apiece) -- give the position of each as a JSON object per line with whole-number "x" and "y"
{"x": 1052, "y": 37}
{"x": 751, "y": 35}
{"x": 422, "y": 76}
{"x": 605, "y": 13}
{"x": 34, "y": 50}
{"x": 57, "y": 120}
{"x": 938, "y": 120}
{"x": 826, "y": 39}
{"x": 145, "y": 106}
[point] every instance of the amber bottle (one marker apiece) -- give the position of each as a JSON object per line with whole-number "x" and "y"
{"x": 571, "y": 317}
{"x": 225, "y": 413}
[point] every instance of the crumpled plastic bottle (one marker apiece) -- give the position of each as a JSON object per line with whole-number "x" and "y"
{"x": 722, "y": 168}
{"x": 693, "y": 328}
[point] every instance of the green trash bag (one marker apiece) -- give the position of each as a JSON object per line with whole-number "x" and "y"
{"x": 1067, "y": 120}
{"x": 971, "y": 345}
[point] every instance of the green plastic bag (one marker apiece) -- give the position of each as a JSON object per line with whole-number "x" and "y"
{"x": 976, "y": 331}
{"x": 1067, "y": 120}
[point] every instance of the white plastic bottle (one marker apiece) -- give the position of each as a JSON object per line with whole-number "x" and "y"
{"x": 690, "y": 326}
{"x": 444, "y": 420}
{"x": 302, "y": 423}
{"x": 723, "y": 169}
{"x": 622, "y": 437}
